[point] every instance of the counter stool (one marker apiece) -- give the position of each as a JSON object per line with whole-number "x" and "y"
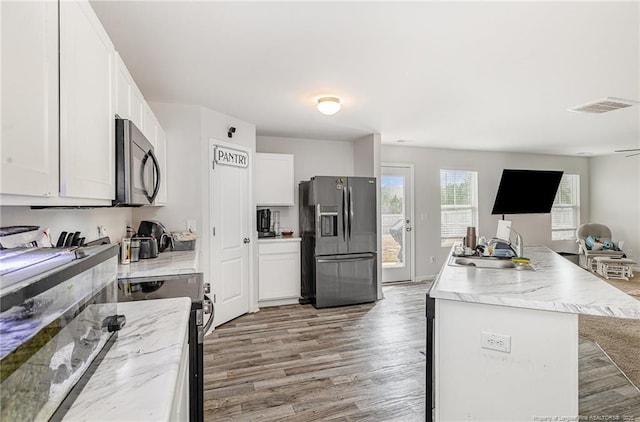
{"x": 620, "y": 268}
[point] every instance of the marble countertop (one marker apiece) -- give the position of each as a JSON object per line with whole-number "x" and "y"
{"x": 166, "y": 263}
{"x": 137, "y": 378}
{"x": 279, "y": 239}
{"x": 556, "y": 285}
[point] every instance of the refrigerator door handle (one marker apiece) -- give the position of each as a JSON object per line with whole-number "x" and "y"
{"x": 350, "y": 211}
{"x": 318, "y": 221}
{"x": 358, "y": 258}
{"x": 345, "y": 214}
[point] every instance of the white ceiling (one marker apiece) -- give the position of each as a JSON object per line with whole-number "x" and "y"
{"x": 474, "y": 75}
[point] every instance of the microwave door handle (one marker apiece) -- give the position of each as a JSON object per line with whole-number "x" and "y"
{"x": 156, "y": 169}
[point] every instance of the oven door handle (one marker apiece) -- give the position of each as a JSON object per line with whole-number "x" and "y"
{"x": 207, "y": 302}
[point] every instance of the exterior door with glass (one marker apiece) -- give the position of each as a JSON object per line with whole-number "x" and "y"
{"x": 397, "y": 222}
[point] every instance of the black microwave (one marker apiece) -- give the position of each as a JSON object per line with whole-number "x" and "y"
{"x": 137, "y": 168}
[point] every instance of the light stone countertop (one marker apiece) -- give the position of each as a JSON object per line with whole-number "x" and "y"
{"x": 138, "y": 377}
{"x": 279, "y": 239}
{"x": 556, "y": 285}
{"x": 166, "y": 263}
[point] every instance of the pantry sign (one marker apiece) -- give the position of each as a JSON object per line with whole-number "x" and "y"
{"x": 231, "y": 157}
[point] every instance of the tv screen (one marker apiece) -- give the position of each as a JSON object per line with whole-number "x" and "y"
{"x": 526, "y": 191}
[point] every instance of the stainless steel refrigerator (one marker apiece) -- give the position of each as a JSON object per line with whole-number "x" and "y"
{"x": 339, "y": 240}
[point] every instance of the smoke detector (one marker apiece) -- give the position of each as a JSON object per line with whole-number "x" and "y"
{"x": 603, "y": 105}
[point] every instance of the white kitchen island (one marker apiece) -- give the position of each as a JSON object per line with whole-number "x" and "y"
{"x": 533, "y": 314}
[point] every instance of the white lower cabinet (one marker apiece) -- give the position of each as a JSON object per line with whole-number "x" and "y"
{"x": 278, "y": 271}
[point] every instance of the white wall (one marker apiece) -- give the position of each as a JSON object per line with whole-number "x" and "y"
{"x": 86, "y": 221}
{"x": 311, "y": 158}
{"x": 535, "y": 229}
{"x": 615, "y": 198}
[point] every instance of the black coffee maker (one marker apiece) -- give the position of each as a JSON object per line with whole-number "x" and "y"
{"x": 264, "y": 224}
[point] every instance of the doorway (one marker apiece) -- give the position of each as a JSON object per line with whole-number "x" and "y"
{"x": 396, "y": 187}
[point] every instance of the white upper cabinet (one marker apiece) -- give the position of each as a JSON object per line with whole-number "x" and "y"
{"x": 137, "y": 104}
{"x": 29, "y": 109}
{"x": 62, "y": 84}
{"x": 274, "y": 180}
{"x": 87, "y": 61}
{"x": 129, "y": 101}
{"x": 124, "y": 84}
{"x": 149, "y": 123}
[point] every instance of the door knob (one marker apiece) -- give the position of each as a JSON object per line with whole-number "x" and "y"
{"x": 246, "y": 240}
{"x": 408, "y": 229}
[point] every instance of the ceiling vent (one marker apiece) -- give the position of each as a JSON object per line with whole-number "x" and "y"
{"x": 603, "y": 105}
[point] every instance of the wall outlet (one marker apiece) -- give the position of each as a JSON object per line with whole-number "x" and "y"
{"x": 493, "y": 341}
{"x": 432, "y": 259}
{"x": 191, "y": 226}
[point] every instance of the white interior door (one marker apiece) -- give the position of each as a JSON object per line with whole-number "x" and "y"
{"x": 396, "y": 189}
{"x": 231, "y": 228}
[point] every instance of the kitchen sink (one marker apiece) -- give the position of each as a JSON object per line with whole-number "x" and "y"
{"x": 487, "y": 262}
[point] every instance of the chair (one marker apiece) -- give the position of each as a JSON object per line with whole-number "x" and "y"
{"x": 586, "y": 255}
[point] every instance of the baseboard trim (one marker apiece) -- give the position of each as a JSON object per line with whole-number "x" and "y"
{"x": 278, "y": 302}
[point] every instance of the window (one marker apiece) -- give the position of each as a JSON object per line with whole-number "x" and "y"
{"x": 565, "y": 213}
{"x": 458, "y": 204}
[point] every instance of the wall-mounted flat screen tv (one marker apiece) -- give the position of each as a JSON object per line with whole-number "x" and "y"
{"x": 526, "y": 191}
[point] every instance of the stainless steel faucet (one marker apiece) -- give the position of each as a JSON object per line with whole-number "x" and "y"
{"x": 518, "y": 247}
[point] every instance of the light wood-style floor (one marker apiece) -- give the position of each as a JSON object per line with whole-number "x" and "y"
{"x": 355, "y": 363}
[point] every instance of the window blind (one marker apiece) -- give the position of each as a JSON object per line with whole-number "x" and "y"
{"x": 458, "y": 204}
{"x": 565, "y": 213}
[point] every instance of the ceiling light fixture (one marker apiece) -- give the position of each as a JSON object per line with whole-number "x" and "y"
{"x": 328, "y": 105}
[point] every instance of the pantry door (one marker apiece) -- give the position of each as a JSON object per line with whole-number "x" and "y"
{"x": 231, "y": 234}
{"x": 396, "y": 189}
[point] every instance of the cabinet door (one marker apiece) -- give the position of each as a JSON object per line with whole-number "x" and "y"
{"x": 129, "y": 102}
{"x": 137, "y": 106}
{"x": 149, "y": 123}
{"x": 86, "y": 104}
{"x": 29, "y": 105}
{"x": 123, "y": 90}
{"x": 274, "y": 179}
{"x": 279, "y": 270}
